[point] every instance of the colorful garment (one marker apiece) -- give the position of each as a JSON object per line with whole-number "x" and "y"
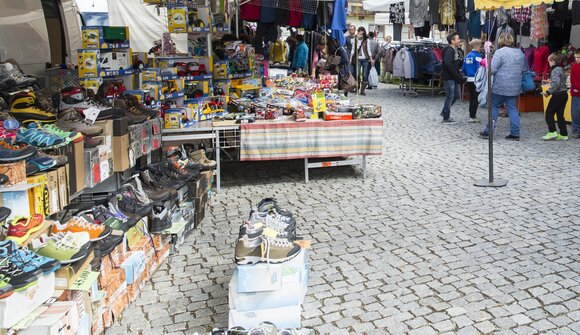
{"x": 447, "y": 12}
{"x": 397, "y": 12}
{"x": 522, "y": 14}
{"x": 539, "y": 28}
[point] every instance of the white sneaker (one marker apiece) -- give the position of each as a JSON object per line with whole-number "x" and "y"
{"x": 474, "y": 120}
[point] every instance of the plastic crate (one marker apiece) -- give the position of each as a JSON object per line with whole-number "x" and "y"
{"x": 56, "y": 79}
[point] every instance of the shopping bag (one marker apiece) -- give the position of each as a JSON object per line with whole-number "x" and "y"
{"x": 528, "y": 84}
{"x": 373, "y": 77}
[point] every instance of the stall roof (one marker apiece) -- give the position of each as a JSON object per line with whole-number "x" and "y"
{"x": 495, "y": 4}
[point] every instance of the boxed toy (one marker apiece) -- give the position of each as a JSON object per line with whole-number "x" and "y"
{"x": 105, "y": 37}
{"x": 88, "y": 63}
{"x": 177, "y": 19}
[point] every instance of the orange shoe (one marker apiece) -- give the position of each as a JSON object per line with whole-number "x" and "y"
{"x": 20, "y": 228}
{"x": 79, "y": 224}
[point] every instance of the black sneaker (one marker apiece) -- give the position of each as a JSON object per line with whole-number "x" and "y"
{"x": 155, "y": 195}
{"x": 4, "y": 213}
{"x": 12, "y": 153}
{"x": 108, "y": 244}
{"x": 14, "y": 276}
{"x": 512, "y": 137}
{"x": 449, "y": 121}
{"x": 161, "y": 219}
{"x": 271, "y": 204}
{"x": 483, "y": 134}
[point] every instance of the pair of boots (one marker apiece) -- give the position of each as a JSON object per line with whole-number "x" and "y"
{"x": 363, "y": 86}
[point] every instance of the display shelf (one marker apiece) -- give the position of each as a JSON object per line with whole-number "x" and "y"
{"x": 171, "y": 96}
{"x": 199, "y": 30}
{"x": 198, "y": 78}
{"x": 169, "y": 77}
{"x": 114, "y": 73}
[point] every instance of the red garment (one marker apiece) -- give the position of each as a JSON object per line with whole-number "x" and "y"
{"x": 541, "y": 66}
{"x": 250, "y": 11}
{"x": 438, "y": 54}
{"x": 295, "y": 13}
{"x": 575, "y": 80}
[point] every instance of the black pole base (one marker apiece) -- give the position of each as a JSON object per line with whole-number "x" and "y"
{"x": 494, "y": 183}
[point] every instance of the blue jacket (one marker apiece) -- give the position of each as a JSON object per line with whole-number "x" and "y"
{"x": 471, "y": 64}
{"x": 300, "y": 59}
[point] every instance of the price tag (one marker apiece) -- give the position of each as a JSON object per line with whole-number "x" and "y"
{"x": 91, "y": 114}
{"x": 270, "y": 232}
{"x": 258, "y": 225}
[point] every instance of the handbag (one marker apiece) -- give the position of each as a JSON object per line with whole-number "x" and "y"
{"x": 347, "y": 82}
{"x": 333, "y": 60}
{"x": 528, "y": 84}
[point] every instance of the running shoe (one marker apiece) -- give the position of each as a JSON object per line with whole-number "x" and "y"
{"x": 20, "y": 228}
{"x": 264, "y": 249}
{"x": 27, "y": 260}
{"x": 80, "y": 224}
{"x": 37, "y": 138}
{"x": 12, "y": 153}
{"x": 13, "y": 275}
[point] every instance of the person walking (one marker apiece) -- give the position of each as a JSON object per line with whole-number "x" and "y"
{"x": 361, "y": 55}
{"x": 386, "y": 57}
{"x": 300, "y": 59}
{"x": 557, "y": 104}
{"x": 450, "y": 76}
{"x": 575, "y": 92}
{"x": 507, "y": 67}
{"x": 375, "y": 54}
{"x": 471, "y": 64}
{"x": 350, "y": 38}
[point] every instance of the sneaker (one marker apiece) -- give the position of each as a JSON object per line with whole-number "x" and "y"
{"x": 198, "y": 157}
{"x": 154, "y": 194}
{"x": 61, "y": 160}
{"x": 39, "y": 163}
{"x": 550, "y": 136}
{"x": 483, "y": 134}
{"x": 256, "y": 215}
{"x": 12, "y": 153}
{"x": 512, "y": 137}
{"x": 80, "y": 100}
{"x": 473, "y": 120}
{"x": 126, "y": 202}
{"x": 264, "y": 250}
{"x": 263, "y": 328}
{"x": 131, "y": 104}
{"x": 27, "y": 260}
{"x": 150, "y": 182}
{"x": 71, "y": 136}
{"x": 449, "y": 121}
{"x": 12, "y": 77}
{"x": 4, "y": 213}
{"x": 254, "y": 230}
{"x": 13, "y": 275}
{"x": 108, "y": 244}
{"x": 179, "y": 170}
{"x": 70, "y": 120}
{"x": 6, "y": 289}
{"x": 562, "y": 138}
{"x": 575, "y": 135}
{"x": 161, "y": 219}
{"x": 62, "y": 247}
{"x": 20, "y": 228}
{"x": 271, "y": 204}
{"x": 91, "y": 142}
{"x": 80, "y": 224}
{"x": 25, "y": 108}
{"x": 37, "y": 138}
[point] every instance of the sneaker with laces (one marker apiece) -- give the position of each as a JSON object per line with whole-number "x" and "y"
{"x": 180, "y": 171}
{"x": 12, "y": 77}
{"x": 449, "y": 121}
{"x": 80, "y": 224}
{"x": 25, "y": 108}
{"x": 12, "y": 153}
{"x": 108, "y": 244}
{"x": 263, "y": 328}
{"x": 158, "y": 183}
{"x": 151, "y": 193}
{"x": 562, "y": 138}
{"x": 20, "y": 227}
{"x": 257, "y": 215}
{"x": 264, "y": 249}
{"x": 254, "y": 230}
{"x": 473, "y": 120}
{"x": 13, "y": 275}
{"x": 161, "y": 219}
{"x": 62, "y": 247}
{"x": 6, "y": 289}
{"x": 27, "y": 260}
{"x": 71, "y": 136}
{"x": 271, "y": 204}
{"x": 550, "y": 136}
{"x": 199, "y": 157}
{"x": 131, "y": 103}
{"x": 70, "y": 120}
{"x": 37, "y": 138}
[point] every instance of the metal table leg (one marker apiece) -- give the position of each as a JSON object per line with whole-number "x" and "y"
{"x": 306, "y": 170}
{"x": 364, "y": 166}
{"x": 217, "y": 157}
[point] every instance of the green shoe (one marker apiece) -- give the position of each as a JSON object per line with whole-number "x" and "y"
{"x": 60, "y": 248}
{"x": 562, "y": 138}
{"x": 550, "y": 136}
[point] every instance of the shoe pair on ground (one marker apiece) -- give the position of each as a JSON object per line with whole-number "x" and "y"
{"x": 554, "y": 135}
{"x": 12, "y": 77}
{"x": 484, "y": 134}
{"x": 263, "y": 328}
{"x": 267, "y": 236}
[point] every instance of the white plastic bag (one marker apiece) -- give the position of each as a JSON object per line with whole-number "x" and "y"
{"x": 373, "y": 77}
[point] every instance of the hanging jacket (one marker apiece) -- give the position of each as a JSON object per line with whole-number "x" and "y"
{"x": 447, "y": 12}
{"x": 399, "y": 64}
{"x": 279, "y": 51}
{"x": 480, "y": 82}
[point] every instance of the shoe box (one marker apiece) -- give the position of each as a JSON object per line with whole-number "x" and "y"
{"x": 116, "y": 297}
{"x": 16, "y": 172}
{"x": 76, "y": 167}
{"x": 39, "y": 194}
{"x": 146, "y": 136}
{"x": 26, "y": 301}
{"x": 92, "y": 167}
{"x": 61, "y": 318}
{"x": 67, "y": 275}
{"x": 49, "y": 192}
{"x": 200, "y": 206}
{"x": 282, "y": 317}
{"x": 17, "y": 198}
{"x": 121, "y": 161}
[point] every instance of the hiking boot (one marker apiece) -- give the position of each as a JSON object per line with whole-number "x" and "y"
{"x": 12, "y": 153}
{"x": 199, "y": 157}
{"x": 70, "y": 120}
{"x": 14, "y": 276}
{"x": 27, "y": 260}
{"x": 25, "y": 108}
{"x": 161, "y": 219}
{"x": 550, "y": 136}
{"x": 62, "y": 247}
{"x": 151, "y": 193}
{"x": 79, "y": 224}
{"x": 131, "y": 103}
{"x": 264, "y": 250}
{"x": 20, "y": 228}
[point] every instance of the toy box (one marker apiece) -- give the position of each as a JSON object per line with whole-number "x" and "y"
{"x": 115, "y": 60}
{"x": 105, "y": 37}
{"x": 88, "y": 63}
{"x": 177, "y": 19}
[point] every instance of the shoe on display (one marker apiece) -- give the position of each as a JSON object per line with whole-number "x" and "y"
{"x": 473, "y": 120}
{"x": 158, "y": 184}
{"x": 139, "y": 194}
{"x": 4, "y": 213}
{"x": 550, "y": 136}
{"x": 31, "y": 169}
{"x": 42, "y": 162}
{"x": 180, "y": 171}
{"x": 126, "y": 202}
{"x": 27, "y": 260}
{"x": 151, "y": 193}
{"x": 70, "y": 120}
{"x": 161, "y": 219}
{"x": 6, "y": 289}
{"x": 60, "y": 159}
{"x": 271, "y": 216}
{"x": 131, "y": 103}
{"x": 91, "y": 142}
{"x": 254, "y": 230}
{"x": 20, "y": 228}
{"x": 77, "y": 98}
{"x": 12, "y": 153}
{"x": 562, "y": 138}
{"x": 264, "y": 249}
{"x": 25, "y": 108}
{"x": 13, "y": 275}
{"x": 263, "y": 328}
{"x": 292, "y": 331}
{"x": 271, "y": 204}
{"x": 108, "y": 244}
{"x": 62, "y": 247}
{"x": 37, "y": 138}
{"x": 199, "y": 157}
{"x": 12, "y": 77}
{"x": 155, "y": 174}
{"x": 79, "y": 224}
{"x": 71, "y": 136}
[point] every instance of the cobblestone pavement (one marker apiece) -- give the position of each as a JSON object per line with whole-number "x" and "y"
{"x": 415, "y": 248}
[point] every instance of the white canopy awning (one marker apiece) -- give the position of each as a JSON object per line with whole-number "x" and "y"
{"x": 377, "y": 5}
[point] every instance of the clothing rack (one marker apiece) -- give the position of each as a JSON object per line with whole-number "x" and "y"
{"x": 406, "y": 85}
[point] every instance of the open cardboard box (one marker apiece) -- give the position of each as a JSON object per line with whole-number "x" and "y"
{"x": 20, "y": 304}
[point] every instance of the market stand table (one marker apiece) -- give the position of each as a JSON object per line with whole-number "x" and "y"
{"x": 282, "y": 140}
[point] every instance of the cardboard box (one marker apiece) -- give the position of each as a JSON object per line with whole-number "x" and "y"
{"x": 121, "y": 160}
{"x": 20, "y": 304}
{"x": 61, "y": 318}
{"x": 269, "y": 277}
{"x": 63, "y": 186}
{"x": 53, "y": 192}
{"x": 105, "y": 161}
{"x": 116, "y": 298}
{"x": 92, "y": 167}
{"x": 134, "y": 266}
{"x": 134, "y": 288}
{"x": 17, "y": 199}
{"x": 107, "y": 126}
{"x": 38, "y": 196}
{"x": 16, "y": 172}
{"x": 158, "y": 258}
{"x": 76, "y": 159}
{"x": 67, "y": 275}
{"x": 282, "y": 317}
{"x": 290, "y": 293}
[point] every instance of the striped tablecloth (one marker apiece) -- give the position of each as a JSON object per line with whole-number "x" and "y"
{"x": 262, "y": 141}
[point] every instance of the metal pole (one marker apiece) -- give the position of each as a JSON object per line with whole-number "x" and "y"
{"x": 237, "y": 5}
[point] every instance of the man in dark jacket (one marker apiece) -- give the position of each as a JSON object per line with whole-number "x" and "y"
{"x": 450, "y": 76}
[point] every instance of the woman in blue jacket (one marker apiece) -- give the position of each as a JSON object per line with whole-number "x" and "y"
{"x": 300, "y": 59}
{"x": 471, "y": 64}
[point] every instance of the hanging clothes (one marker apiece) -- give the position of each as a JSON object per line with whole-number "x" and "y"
{"x": 475, "y": 24}
{"x": 250, "y": 11}
{"x": 461, "y": 28}
{"x": 282, "y": 13}
{"x": 575, "y": 12}
{"x": 424, "y": 31}
{"x": 295, "y": 18}
{"x": 279, "y": 50}
{"x": 418, "y": 13}
{"x": 522, "y": 14}
{"x": 460, "y": 11}
{"x": 399, "y": 64}
{"x": 267, "y": 14}
{"x": 447, "y": 12}
{"x": 338, "y": 24}
{"x": 434, "y": 18}
{"x": 397, "y": 31}
{"x": 541, "y": 66}
{"x": 397, "y": 12}
{"x": 539, "y": 27}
